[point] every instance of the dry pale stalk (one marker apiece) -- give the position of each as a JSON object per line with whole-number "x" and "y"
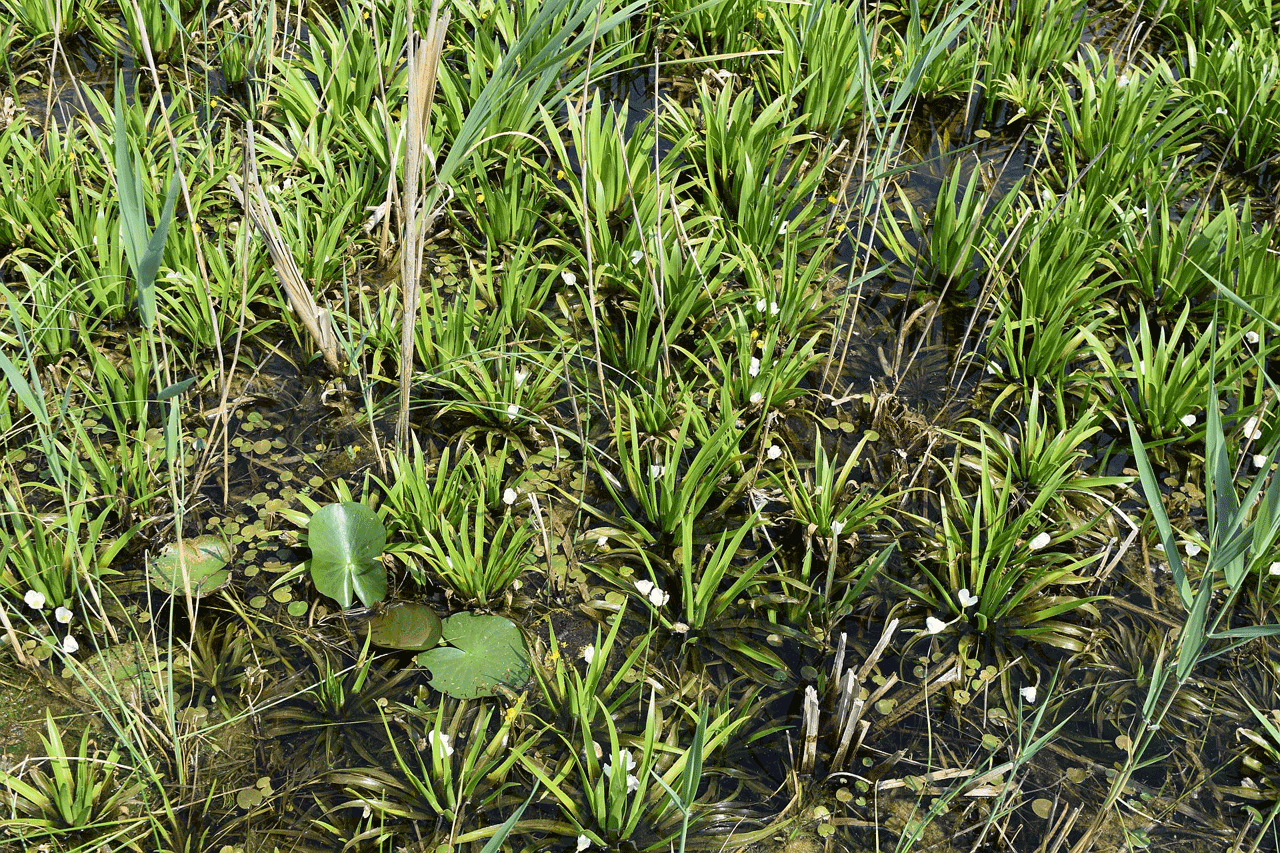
{"x": 424, "y": 63}
{"x": 316, "y": 320}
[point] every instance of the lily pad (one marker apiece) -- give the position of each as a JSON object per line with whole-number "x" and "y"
{"x": 404, "y": 625}
{"x": 206, "y": 559}
{"x": 483, "y": 652}
{"x": 346, "y": 542}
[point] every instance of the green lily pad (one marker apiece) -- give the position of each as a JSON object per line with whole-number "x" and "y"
{"x": 346, "y": 542}
{"x": 483, "y": 652}
{"x": 404, "y": 625}
{"x": 206, "y": 559}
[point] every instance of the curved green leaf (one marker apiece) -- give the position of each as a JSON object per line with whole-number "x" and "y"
{"x": 346, "y": 542}
{"x": 484, "y": 651}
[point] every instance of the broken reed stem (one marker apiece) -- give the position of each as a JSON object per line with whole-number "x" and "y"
{"x": 316, "y": 320}
{"x": 424, "y": 63}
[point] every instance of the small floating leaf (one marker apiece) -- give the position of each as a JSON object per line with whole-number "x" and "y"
{"x": 206, "y": 559}
{"x": 346, "y": 542}
{"x": 405, "y": 625}
{"x": 484, "y": 651}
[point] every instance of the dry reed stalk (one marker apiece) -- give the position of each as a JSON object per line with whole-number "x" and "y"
{"x": 316, "y": 320}
{"x": 424, "y": 63}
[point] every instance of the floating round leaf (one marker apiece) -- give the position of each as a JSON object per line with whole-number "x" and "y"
{"x": 346, "y": 542}
{"x": 484, "y": 651}
{"x": 206, "y": 559}
{"x": 405, "y": 625}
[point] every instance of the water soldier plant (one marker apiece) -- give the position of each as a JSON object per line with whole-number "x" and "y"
{"x": 565, "y": 425}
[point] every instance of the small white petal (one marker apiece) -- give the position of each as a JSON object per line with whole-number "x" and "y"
{"x": 645, "y": 587}
{"x": 1275, "y": 568}
{"x": 443, "y": 742}
{"x": 509, "y": 496}
{"x": 1188, "y": 420}
{"x": 782, "y": 229}
{"x": 521, "y": 376}
{"x": 967, "y": 599}
{"x": 34, "y": 599}
{"x": 602, "y": 542}
{"x": 1029, "y": 694}
{"x": 773, "y": 308}
{"x": 1040, "y": 540}
{"x": 1191, "y": 548}
{"x": 754, "y": 368}
{"x": 934, "y": 625}
{"x": 69, "y": 645}
{"x": 1260, "y": 460}
{"x": 588, "y": 653}
{"x": 837, "y": 527}
{"x": 583, "y": 843}
{"x": 636, "y": 257}
{"x": 656, "y": 471}
{"x": 1252, "y": 337}
{"x": 756, "y": 397}
{"x": 774, "y": 451}
{"x": 513, "y": 410}
{"x": 761, "y": 304}
{"x": 569, "y": 278}
{"x": 63, "y": 615}
{"x": 1251, "y": 430}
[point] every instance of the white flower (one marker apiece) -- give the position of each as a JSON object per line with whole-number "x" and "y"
{"x": 521, "y": 376}
{"x": 441, "y": 740}
{"x": 588, "y": 653}
{"x": 1220, "y": 111}
{"x": 761, "y": 304}
{"x": 657, "y": 597}
{"x": 34, "y": 599}
{"x": 837, "y": 527}
{"x": 1251, "y": 430}
{"x": 1029, "y": 694}
{"x": 782, "y": 229}
{"x": 994, "y": 368}
{"x": 636, "y": 257}
{"x": 568, "y": 278}
{"x": 1275, "y": 568}
{"x": 63, "y": 615}
{"x": 1040, "y": 540}
{"x": 754, "y": 368}
{"x": 583, "y": 843}
{"x": 774, "y": 451}
{"x": 602, "y": 542}
{"x": 1260, "y": 460}
{"x": 509, "y": 496}
{"x": 1188, "y": 420}
{"x": 934, "y": 625}
{"x": 1122, "y": 80}
{"x": 513, "y": 410}
{"x": 773, "y": 309}
{"x": 1192, "y": 548}
{"x": 1252, "y": 337}
{"x": 967, "y": 599}
{"x": 69, "y": 645}
{"x": 756, "y": 397}
{"x": 628, "y": 761}
{"x": 657, "y": 471}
